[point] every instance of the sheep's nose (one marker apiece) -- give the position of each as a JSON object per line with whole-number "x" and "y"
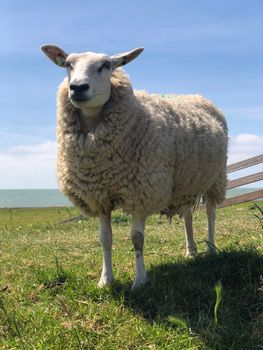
{"x": 79, "y": 88}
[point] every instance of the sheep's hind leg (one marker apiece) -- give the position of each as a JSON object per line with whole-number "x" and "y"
{"x": 137, "y": 237}
{"x": 211, "y": 216}
{"x": 105, "y": 237}
{"x": 191, "y": 250}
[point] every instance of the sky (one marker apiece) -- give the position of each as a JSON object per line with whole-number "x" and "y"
{"x": 213, "y": 48}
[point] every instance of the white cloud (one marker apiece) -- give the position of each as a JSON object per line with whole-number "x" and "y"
{"x": 244, "y": 146}
{"x": 29, "y": 166}
{"x": 34, "y": 166}
{"x": 45, "y": 149}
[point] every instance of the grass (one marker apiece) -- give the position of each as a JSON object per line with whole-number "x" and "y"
{"x": 49, "y": 272}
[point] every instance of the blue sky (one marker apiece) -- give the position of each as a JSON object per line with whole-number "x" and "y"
{"x": 214, "y": 48}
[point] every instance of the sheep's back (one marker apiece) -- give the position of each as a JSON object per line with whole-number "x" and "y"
{"x": 191, "y": 135}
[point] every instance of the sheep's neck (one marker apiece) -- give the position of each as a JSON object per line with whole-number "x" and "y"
{"x": 90, "y": 118}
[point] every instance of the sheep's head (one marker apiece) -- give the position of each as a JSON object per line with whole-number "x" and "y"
{"x": 89, "y": 73}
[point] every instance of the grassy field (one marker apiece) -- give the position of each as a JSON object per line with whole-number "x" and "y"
{"x": 49, "y": 272}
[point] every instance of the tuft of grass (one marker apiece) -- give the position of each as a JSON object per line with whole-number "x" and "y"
{"x": 55, "y": 278}
{"x": 120, "y": 218}
{"x": 12, "y": 326}
{"x": 178, "y": 322}
{"x": 11, "y": 217}
{"x": 258, "y": 213}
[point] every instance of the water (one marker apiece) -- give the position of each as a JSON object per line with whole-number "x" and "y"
{"x": 32, "y": 198}
{"x": 54, "y": 198}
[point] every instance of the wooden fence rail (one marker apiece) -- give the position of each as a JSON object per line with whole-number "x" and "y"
{"x": 245, "y": 163}
{"x": 244, "y": 181}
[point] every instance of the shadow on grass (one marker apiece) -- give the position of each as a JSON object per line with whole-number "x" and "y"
{"x": 182, "y": 294}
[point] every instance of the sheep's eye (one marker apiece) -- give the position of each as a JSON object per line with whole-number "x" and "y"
{"x": 68, "y": 65}
{"x": 106, "y": 65}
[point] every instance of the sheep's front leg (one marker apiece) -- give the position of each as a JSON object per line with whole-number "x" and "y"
{"x": 105, "y": 237}
{"x": 137, "y": 237}
{"x": 189, "y": 234}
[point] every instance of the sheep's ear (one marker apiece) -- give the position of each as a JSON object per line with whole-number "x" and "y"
{"x": 55, "y": 54}
{"x": 125, "y": 57}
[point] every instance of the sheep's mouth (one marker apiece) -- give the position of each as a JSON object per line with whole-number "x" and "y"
{"x": 85, "y": 100}
{"x": 80, "y": 100}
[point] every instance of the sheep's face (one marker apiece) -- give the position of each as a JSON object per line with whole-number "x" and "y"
{"x": 89, "y": 74}
{"x": 89, "y": 78}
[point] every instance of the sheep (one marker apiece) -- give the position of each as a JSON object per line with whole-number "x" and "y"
{"x": 119, "y": 148}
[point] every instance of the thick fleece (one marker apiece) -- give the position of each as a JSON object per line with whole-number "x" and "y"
{"x": 145, "y": 154}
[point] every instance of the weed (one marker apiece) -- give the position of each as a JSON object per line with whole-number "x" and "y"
{"x": 119, "y": 218}
{"x": 11, "y": 217}
{"x": 218, "y": 290}
{"x": 53, "y": 279}
{"x": 258, "y": 212}
{"x": 11, "y": 323}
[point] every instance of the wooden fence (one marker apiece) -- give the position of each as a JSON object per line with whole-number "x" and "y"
{"x": 244, "y": 181}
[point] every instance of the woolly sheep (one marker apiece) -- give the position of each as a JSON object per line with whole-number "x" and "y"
{"x": 139, "y": 152}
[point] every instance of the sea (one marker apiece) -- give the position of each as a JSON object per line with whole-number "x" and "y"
{"x": 41, "y": 198}
{"x": 33, "y": 198}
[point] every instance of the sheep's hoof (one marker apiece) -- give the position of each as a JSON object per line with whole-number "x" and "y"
{"x": 191, "y": 253}
{"x": 212, "y": 250}
{"x": 105, "y": 281}
{"x": 139, "y": 282}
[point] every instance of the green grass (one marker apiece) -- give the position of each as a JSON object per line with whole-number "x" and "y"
{"x": 49, "y": 272}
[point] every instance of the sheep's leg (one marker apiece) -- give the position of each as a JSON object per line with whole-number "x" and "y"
{"x": 105, "y": 237}
{"x": 189, "y": 234}
{"x": 137, "y": 237}
{"x": 211, "y": 216}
